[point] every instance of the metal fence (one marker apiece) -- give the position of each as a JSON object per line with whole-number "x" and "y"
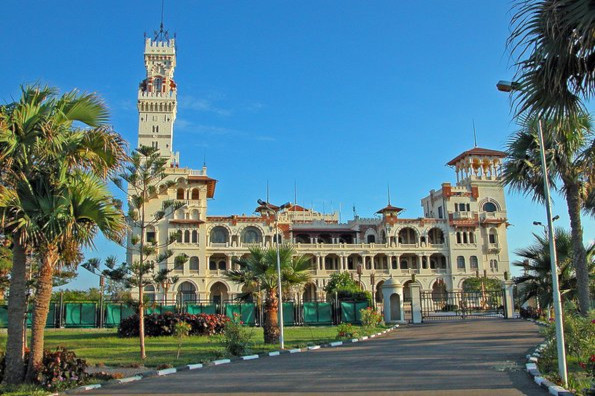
{"x": 462, "y": 305}
{"x": 108, "y": 314}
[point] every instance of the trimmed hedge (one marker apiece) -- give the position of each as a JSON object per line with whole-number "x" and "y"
{"x": 163, "y": 324}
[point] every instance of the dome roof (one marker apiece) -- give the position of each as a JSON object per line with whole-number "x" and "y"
{"x": 391, "y": 282}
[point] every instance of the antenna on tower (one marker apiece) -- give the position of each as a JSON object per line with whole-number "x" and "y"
{"x": 162, "y": 34}
{"x": 204, "y": 159}
{"x": 295, "y": 192}
{"x": 474, "y": 134}
{"x": 388, "y": 192}
{"x": 267, "y": 191}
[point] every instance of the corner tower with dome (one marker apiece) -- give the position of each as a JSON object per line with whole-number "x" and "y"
{"x": 460, "y": 233}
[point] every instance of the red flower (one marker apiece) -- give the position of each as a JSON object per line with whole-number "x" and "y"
{"x": 583, "y": 365}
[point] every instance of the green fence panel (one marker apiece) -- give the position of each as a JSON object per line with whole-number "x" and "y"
{"x": 160, "y": 309}
{"x": 3, "y": 316}
{"x": 80, "y": 314}
{"x": 51, "y": 319}
{"x": 347, "y": 312}
{"x": 196, "y": 309}
{"x": 318, "y": 313}
{"x": 115, "y": 313}
{"x": 246, "y": 312}
{"x": 288, "y": 314}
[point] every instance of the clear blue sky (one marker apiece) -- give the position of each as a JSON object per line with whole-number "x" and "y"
{"x": 340, "y": 97}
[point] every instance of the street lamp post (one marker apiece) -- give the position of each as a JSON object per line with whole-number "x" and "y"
{"x": 506, "y": 86}
{"x": 280, "y": 291}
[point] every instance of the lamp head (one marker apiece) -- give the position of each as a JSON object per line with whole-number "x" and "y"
{"x": 556, "y": 217}
{"x": 537, "y": 223}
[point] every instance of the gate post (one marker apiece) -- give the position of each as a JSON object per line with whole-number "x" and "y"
{"x": 392, "y": 293}
{"x": 508, "y": 299}
{"x": 415, "y": 302}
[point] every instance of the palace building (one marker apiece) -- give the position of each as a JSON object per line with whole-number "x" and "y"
{"x": 461, "y": 233}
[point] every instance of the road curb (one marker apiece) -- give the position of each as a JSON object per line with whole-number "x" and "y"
{"x": 533, "y": 370}
{"x": 195, "y": 366}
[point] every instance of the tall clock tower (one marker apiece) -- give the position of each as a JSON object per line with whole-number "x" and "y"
{"x": 157, "y": 96}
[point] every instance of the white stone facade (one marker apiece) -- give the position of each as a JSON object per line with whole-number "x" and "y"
{"x": 462, "y": 232}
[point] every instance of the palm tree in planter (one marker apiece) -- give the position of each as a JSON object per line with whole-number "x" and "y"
{"x": 536, "y": 280}
{"x": 258, "y": 271}
{"x": 42, "y": 147}
{"x": 570, "y": 156}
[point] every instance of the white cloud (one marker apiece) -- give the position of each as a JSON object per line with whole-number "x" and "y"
{"x": 202, "y": 104}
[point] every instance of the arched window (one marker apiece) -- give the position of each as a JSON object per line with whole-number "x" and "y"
{"x": 408, "y": 236}
{"x": 180, "y": 193}
{"x": 179, "y": 236}
{"x": 150, "y": 292}
{"x": 493, "y": 236}
{"x": 489, "y": 207}
{"x": 150, "y": 234}
{"x": 187, "y": 236}
{"x": 494, "y": 265}
{"x": 194, "y": 236}
{"x": 371, "y": 238}
{"x": 464, "y": 237}
{"x": 251, "y": 235}
{"x": 277, "y": 238}
{"x": 461, "y": 262}
{"x": 404, "y": 264}
{"x": 471, "y": 237}
{"x": 195, "y": 194}
{"x": 219, "y": 235}
{"x": 473, "y": 262}
{"x": 194, "y": 263}
{"x": 157, "y": 84}
{"x": 458, "y": 237}
{"x": 435, "y": 236}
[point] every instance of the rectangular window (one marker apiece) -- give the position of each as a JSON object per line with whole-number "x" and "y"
{"x": 468, "y": 208}
{"x": 150, "y": 236}
{"x": 492, "y": 238}
{"x": 440, "y": 212}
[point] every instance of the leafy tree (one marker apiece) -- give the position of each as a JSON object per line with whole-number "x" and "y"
{"x": 145, "y": 177}
{"x": 346, "y": 288}
{"x": 91, "y": 294}
{"x": 5, "y": 267}
{"x": 553, "y": 44}
{"x": 536, "y": 281}
{"x": 570, "y": 157}
{"x": 258, "y": 271}
{"x": 479, "y": 284}
{"x": 52, "y": 167}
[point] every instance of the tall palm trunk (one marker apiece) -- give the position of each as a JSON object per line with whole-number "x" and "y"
{"x": 17, "y": 308}
{"x": 579, "y": 253}
{"x": 271, "y": 324}
{"x": 43, "y": 295}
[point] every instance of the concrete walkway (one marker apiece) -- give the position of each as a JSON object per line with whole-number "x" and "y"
{"x": 463, "y": 357}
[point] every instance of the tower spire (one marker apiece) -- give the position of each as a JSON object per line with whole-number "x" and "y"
{"x": 162, "y": 34}
{"x": 474, "y": 134}
{"x": 388, "y": 192}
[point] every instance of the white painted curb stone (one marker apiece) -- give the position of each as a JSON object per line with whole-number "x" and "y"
{"x": 539, "y": 380}
{"x": 354, "y": 340}
{"x": 167, "y": 371}
{"x": 250, "y": 357}
{"x": 296, "y": 350}
{"x": 129, "y": 379}
{"x": 221, "y": 361}
{"x": 313, "y": 347}
{"x": 275, "y": 353}
{"x": 336, "y": 343}
{"x": 194, "y": 366}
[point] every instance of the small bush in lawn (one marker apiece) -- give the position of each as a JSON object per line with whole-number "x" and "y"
{"x": 346, "y": 331}
{"x": 164, "y": 324}
{"x": 59, "y": 369}
{"x": 163, "y": 366}
{"x": 370, "y": 318}
{"x": 181, "y": 330}
{"x": 236, "y": 337}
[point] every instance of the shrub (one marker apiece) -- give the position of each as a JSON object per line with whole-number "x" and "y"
{"x": 370, "y": 318}
{"x": 59, "y": 369}
{"x": 164, "y": 324}
{"x": 236, "y": 337}
{"x": 450, "y": 307}
{"x": 346, "y": 331}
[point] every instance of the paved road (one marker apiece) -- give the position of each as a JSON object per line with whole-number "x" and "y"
{"x": 471, "y": 357}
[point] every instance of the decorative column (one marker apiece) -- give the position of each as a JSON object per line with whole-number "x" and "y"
{"x": 508, "y": 299}
{"x": 415, "y": 302}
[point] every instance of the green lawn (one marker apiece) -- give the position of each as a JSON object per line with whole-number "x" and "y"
{"x": 105, "y": 347}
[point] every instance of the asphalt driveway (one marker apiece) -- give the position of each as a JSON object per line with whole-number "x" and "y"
{"x": 463, "y": 357}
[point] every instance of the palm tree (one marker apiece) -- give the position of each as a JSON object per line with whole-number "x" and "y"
{"x": 553, "y": 43}
{"x": 38, "y": 138}
{"x": 258, "y": 271}
{"x": 536, "y": 281}
{"x": 570, "y": 156}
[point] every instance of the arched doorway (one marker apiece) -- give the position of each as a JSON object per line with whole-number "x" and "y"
{"x": 379, "y": 297}
{"x": 186, "y": 293}
{"x": 395, "y": 307}
{"x": 218, "y": 293}
{"x": 309, "y": 292}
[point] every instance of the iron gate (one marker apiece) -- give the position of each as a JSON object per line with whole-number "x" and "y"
{"x": 462, "y": 305}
